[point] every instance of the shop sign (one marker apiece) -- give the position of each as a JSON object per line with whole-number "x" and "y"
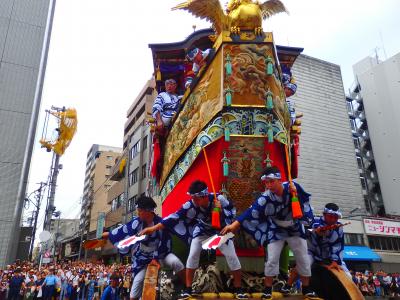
{"x": 381, "y": 227}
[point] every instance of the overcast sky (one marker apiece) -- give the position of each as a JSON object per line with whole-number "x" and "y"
{"x": 99, "y": 60}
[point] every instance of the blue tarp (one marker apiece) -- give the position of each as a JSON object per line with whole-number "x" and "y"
{"x": 360, "y": 253}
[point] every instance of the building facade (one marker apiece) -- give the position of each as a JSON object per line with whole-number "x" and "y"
{"x": 373, "y": 110}
{"x": 327, "y": 166}
{"x": 137, "y": 144}
{"x": 100, "y": 160}
{"x": 25, "y": 28}
{"x": 378, "y": 87}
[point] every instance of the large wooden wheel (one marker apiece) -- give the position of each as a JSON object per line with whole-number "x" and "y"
{"x": 151, "y": 281}
{"x": 332, "y": 284}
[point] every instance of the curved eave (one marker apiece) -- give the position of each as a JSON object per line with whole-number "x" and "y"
{"x": 287, "y": 55}
{"x": 177, "y": 50}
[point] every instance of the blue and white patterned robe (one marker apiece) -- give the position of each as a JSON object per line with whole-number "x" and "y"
{"x": 156, "y": 245}
{"x": 328, "y": 247}
{"x": 166, "y": 104}
{"x": 265, "y": 218}
{"x": 191, "y": 221}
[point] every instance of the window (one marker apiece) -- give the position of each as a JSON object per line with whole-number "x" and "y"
{"x": 360, "y": 162}
{"x": 135, "y": 150}
{"x": 144, "y": 171}
{"x": 133, "y": 177}
{"x": 356, "y": 142}
{"x": 117, "y": 202}
{"x": 114, "y": 205}
{"x": 353, "y": 239}
{"x": 353, "y": 125}
{"x": 384, "y": 243}
{"x": 108, "y": 167}
{"x": 109, "y": 157}
{"x": 363, "y": 183}
{"x": 144, "y": 143}
{"x": 132, "y": 203}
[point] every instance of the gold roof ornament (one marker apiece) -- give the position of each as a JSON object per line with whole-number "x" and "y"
{"x": 240, "y": 14}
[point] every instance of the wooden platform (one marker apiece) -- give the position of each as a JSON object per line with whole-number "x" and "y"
{"x": 226, "y": 296}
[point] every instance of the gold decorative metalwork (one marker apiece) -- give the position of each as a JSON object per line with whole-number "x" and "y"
{"x": 239, "y": 15}
{"x": 68, "y": 121}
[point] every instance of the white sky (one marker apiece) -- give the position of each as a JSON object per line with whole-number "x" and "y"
{"x": 99, "y": 60}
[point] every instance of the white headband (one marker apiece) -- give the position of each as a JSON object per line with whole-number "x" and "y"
{"x": 333, "y": 212}
{"x": 271, "y": 176}
{"x": 200, "y": 194}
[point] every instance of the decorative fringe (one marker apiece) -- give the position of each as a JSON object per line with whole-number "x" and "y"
{"x": 227, "y": 134}
{"x": 158, "y": 74}
{"x": 228, "y": 96}
{"x": 270, "y": 134}
{"x": 269, "y": 103}
{"x": 269, "y": 65}
{"x": 225, "y": 164}
{"x": 228, "y": 65}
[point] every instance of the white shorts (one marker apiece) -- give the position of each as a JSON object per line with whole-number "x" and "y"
{"x": 170, "y": 261}
{"x": 298, "y": 246}
{"x": 227, "y": 249}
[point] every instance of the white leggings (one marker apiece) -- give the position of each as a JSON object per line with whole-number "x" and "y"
{"x": 227, "y": 249}
{"x": 170, "y": 260}
{"x": 299, "y": 248}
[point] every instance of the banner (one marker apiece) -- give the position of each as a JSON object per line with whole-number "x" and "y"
{"x": 382, "y": 227}
{"x": 101, "y": 220}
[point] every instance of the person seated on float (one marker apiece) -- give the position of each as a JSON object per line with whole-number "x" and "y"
{"x": 290, "y": 87}
{"x": 154, "y": 246}
{"x": 326, "y": 241}
{"x": 192, "y": 223}
{"x": 269, "y": 221}
{"x": 165, "y": 106}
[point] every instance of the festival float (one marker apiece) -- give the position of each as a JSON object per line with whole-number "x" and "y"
{"x": 235, "y": 118}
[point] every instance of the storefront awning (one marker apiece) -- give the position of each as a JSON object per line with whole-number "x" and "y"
{"x": 360, "y": 253}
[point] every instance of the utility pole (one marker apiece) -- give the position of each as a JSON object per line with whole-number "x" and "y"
{"x": 38, "y": 197}
{"x": 53, "y": 184}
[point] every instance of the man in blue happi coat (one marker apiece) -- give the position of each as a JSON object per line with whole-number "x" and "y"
{"x": 192, "y": 223}
{"x": 155, "y": 246}
{"x": 269, "y": 221}
{"x": 166, "y": 105}
{"x": 326, "y": 242}
{"x": 111, "y": 292}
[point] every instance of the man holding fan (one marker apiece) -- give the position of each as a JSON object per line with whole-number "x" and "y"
{"x": 271, "y": 222}
{"x": 193, "y": 224}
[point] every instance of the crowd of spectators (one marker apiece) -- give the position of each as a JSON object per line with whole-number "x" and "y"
{"x": 88, "y": 281}
{"x": 72, "y": 281}
{"x": 378, "y": 283}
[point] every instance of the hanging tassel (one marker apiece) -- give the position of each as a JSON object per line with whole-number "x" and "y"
{"x": 228, "y": 96}
{"x": 297, "y": 213}
{"x": 269, "y": 65}
{"x": 215, "y": 214}
{"x": 225, "y": 164}
{"x": 228, "y": 65}
{"x": 215, "y": 218}
{"x": 270, "y": 133}
{"x": 158, "y": 74}
{"x": 227, "y": 134}
{"x": 269, "y": 103}
{"x": 296, "y": 209}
